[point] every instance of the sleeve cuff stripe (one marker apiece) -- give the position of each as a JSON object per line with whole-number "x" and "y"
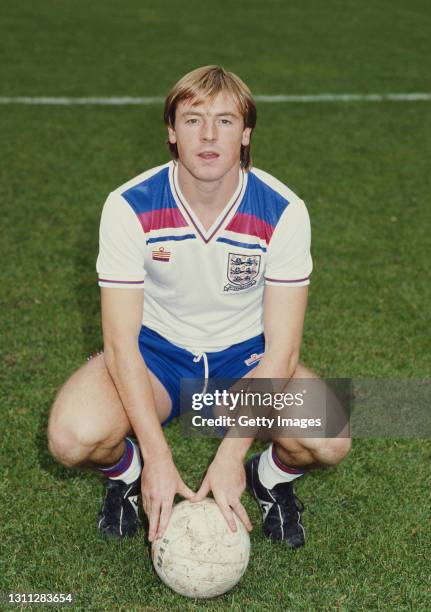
{"x": 278, "y": 280}
{"x": 105, "y": 280}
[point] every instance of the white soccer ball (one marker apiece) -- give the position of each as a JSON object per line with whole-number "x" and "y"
{"x": 199, "y": 556}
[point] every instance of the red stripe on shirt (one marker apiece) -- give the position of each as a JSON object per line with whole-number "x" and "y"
{"x": 243, "y": 223}
{"x": 161, "y": 219}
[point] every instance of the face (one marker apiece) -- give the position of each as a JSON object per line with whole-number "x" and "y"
{"x": 209, "y": 136}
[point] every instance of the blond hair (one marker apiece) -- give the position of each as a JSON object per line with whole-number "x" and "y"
{"x": 205, "y": 83}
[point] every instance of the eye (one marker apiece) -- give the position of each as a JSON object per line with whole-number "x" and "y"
{"x": 226, "y": 122}
{"x": 191, "y": 121}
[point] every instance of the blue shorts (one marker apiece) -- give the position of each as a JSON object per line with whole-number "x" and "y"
{"x": 170, "y": 363}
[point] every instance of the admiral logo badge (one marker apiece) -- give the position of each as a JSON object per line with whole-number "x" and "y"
{"x": 242, "y": 271}
{"x": 161, "y": 254}
{"x": 253, "y": 358}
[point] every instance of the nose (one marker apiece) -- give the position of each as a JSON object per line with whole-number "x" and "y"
{"x": 209, "y": 131}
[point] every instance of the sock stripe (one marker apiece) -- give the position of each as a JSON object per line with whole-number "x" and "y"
{"x": 282, "y": 466}
{"x": 122, "y": 465}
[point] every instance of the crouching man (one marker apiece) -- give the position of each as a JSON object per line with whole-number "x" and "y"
{"x": 204, "y": 266}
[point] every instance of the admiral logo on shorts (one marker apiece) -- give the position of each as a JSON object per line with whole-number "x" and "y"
{"x": 253, "y": 358}
{"x": 242, "y": 271}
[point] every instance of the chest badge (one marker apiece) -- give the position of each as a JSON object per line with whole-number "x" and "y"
{"x": 242, "y": 271}
{"x": 161, "y": 254}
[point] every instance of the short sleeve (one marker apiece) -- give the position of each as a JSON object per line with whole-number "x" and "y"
{"x": 120, "y": 262}
{"x": 289, "y": 259}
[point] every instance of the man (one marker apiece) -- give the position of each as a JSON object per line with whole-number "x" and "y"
{"x": 204, "y": 264}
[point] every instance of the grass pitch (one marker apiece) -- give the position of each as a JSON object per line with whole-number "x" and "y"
{"x": 363, "y": 170}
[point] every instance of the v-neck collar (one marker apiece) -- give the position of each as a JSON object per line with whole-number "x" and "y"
{"x": 224, "y": 217}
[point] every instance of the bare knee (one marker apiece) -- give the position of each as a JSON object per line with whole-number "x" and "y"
{"x": 70, "y": 442}
{"x": 82, "y": 442}
{"x": 64, "y": 445}
{"x": 331, "y": 451}
{"x": 87, "y": 414}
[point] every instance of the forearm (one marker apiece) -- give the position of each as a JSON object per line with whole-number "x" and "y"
{"x": 131, "y": 378}
{"x": 234, "y": 448}
{"x": 272, "y": 365}
{"x": 276, "y": 363}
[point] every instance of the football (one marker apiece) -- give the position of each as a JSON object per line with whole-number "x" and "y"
{"x": 199, "y": 556}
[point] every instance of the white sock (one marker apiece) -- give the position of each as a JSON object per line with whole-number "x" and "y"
{"x": 128, "y": 467}
{"x": 270, "y": 474}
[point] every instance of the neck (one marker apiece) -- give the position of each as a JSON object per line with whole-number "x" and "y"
{"x": 207, "y": 195}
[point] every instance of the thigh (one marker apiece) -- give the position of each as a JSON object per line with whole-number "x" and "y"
{"x": 237, "y": 361}
{"x": 321, "y": 401}
{"x": 170, "y": 364}
{"x": 90, "y": 397}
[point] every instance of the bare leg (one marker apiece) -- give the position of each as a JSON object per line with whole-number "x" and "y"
{"x": 88, "y": 422}
{"x": 311, "y": 452}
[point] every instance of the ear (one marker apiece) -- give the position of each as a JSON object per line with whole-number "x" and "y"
{"x": 246, "y": 135}
{"x": 172, "y": 137}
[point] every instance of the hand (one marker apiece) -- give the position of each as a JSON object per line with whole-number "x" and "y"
{"x": 226, "y": 479}
{"x": 160, "y": 481}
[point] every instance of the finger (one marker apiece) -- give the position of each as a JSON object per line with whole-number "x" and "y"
{"x": 228, "y": 515}
{"x": 185, "y": 491}
{"x": 165, "y": 515}
{"x": 154, "y": 520}
{"x": 203, "y": 491}
{"x": 241, "y": 513}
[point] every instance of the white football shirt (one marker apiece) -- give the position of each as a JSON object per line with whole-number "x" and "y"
{"x": 203, "y": 288}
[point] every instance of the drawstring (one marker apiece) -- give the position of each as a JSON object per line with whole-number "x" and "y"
{"x": 198, "y": 356}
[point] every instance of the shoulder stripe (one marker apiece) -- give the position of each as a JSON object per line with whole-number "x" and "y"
{"x": 152, "y": 202}
{"x": 245, "y": 245}
{"x": 166, "y": 238}
{"x": 251, "y": 224}
{"x": 143, "y": 196}
{"x": 161, "y": 219}
{"x": 261, "y": 200}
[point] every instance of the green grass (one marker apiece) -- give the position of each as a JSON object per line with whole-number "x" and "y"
{"x": 363, "y": 170}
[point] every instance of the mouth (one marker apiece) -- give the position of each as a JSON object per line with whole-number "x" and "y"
{"x": 208, "y": 155}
